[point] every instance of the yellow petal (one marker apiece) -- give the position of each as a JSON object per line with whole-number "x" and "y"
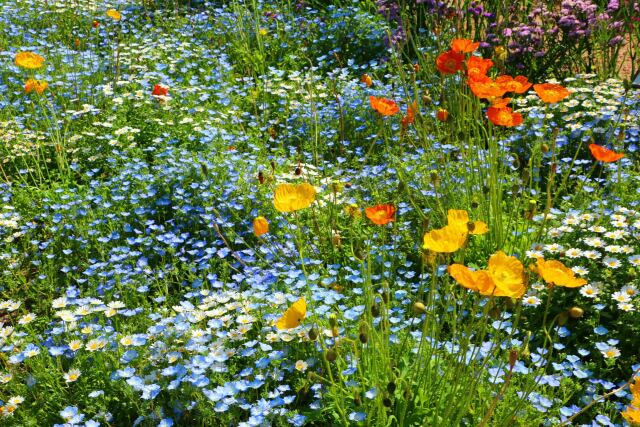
{"x": 457, "y": 217}
{"x": 448, "y": 239}
{"x": 507, "y": 274}
{"x": 289, "y": 197}
{"x": 293, "y": 316}
{"x": 479, "y": 227}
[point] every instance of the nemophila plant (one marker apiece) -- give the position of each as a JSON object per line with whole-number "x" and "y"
{"x": 295, "y": 213}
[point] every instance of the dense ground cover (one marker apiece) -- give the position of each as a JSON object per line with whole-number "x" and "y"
{"x": 301, "y": 213}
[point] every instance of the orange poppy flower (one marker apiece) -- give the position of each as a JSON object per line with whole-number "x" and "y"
{"x": 551, "y": 93}
{"x": 160, "y": 90}
{"x": 260, "y": 226}
{"x": 384, "y": 106}
{"x": 366, "y": 79}
{"x": 504, "y": 117}
{"x": 449, "y": 62}
{"x": 442, "y": 115}
{"x": 603, "y": 154}
{"x": 499, "y": 102}
{"x": 478, "y": 67}
{"x": 464, "y": 45}
{"x": 556, "y": 273}
{"x": 37, "y": 86}
{"x": 486, "y": 87}
{"x": 411, "y": 114}
{"x": 518, "y": 85}
{"x": 29, "y": 60}
{"x": 381, "y": 214}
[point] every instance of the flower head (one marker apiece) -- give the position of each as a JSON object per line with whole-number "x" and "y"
{"x": 293, "y": 316}
{"x": 464, "y": 45}
{"x": 29, "y": 60}
{"x": 504, "y": 277}
{"x": 504, "y": 116}
{"x": 551, "y": 93}
{"x": 603, "y": 154}
{"x": 37, "y": 86}
{"x": 454, "y": 235}
{"x": 114, "y": 14}
{"x": 556, "y": 273}
{"x": 449, "y": 62}
{"x": 290, "y": 197}
{"x": 160, "y": 90}
{"x": 381, "y": 214}
{"x": 384, "y": 106}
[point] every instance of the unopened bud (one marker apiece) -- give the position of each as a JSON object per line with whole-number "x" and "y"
{"x": 576, "y": 312}
{"x": 331, "y": 355}
{"x": 313, "y": 334}
{"x": 418, "y": 308}
{"x": 333, "y": 320}
{"x": 513, "y": 357}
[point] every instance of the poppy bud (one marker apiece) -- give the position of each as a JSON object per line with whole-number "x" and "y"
{"x": 474, "y": 204}
{"x": 442, "y": 115}
{"x": 416, "y": 68}
{"x": 76, "y": 42}
{"x": 471, "y": 226}
{"x": 313, "y": 334}
{"x": 418, "y": 308}
{"x": 426, "y": 98}
{"x": 385, "y": 296}
{"x": 576, "y": 312}
{"x": 554, "y": 167}
{"x": 331, "y": 355}
{"x": 260, "y": 226}
{"x": 391, "y": 387}
{"x": 435, "y": 177}
{"x": 357, "y": 400}
{"x": 335, "y": 332}
{"x": 298, "y": 171}
{"x": 364, "y": 338}
{"x": 544, "y": 148}
{"x": 366, "y": 79}
{"x": 386, "y": 402}
{"x": 563, "y": 318}
{"x": 273, "y": 165}
{"x": 336, "y": 239}
{"x": 95, "y": 24}
{"x": 375, "y": 310}
{"x": 407, "y": 394}
{"x": 333, "y": 320}
{"x": 260, "y": 177}
{"x": 272, "y": 133}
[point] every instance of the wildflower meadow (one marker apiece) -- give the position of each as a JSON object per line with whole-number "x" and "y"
{"x": 317, "y": 213}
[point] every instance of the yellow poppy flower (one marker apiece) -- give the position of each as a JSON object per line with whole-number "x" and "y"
{"x": 447, "y": 239}
{"x": 29, "y": 60}
{"x": 452, "y": 237}
{"x": 290, "y": 197}
{"x": 479, "y": 281}
{"x": 556, "y": 273}
{"x": 293, "y": 316}
{"x": 507, "y": 274}
{"x": 114, "y": 14}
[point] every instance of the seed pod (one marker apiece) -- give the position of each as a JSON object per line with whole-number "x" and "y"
{"x": 331, "y": 355}
{"x": 576, "y": 312}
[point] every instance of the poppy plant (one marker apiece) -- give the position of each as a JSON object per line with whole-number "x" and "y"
{"x": 37, "y": 86}
{"x": 486, "y": 87}
{"x": 503, "y": 278}
{"x": 464, "y": 45}
{"x": 556, "y": 273}
{"x": 520, "y": 84}
{"x": 29, "y": 60}
{"x": 160, "y": 90}
{"x": 260, "y": 226}
{"x": 381, "y": 214}
{"x": 454, "y": 235}
{"x": 291, "y": 197}
{"x": 478, "y": 67}
{"x": 114, "y": 14}
{"x": 293, "y": 317}
{"x": 442, "y": 115}
{"x": 504, "y": 117}
{"x": 449, "y": 62}
{"x": 603, "y": 154}
{"x": 411, "y": 114}
{"x": 551, "y": 93}
{"x": 384, "y": 106}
